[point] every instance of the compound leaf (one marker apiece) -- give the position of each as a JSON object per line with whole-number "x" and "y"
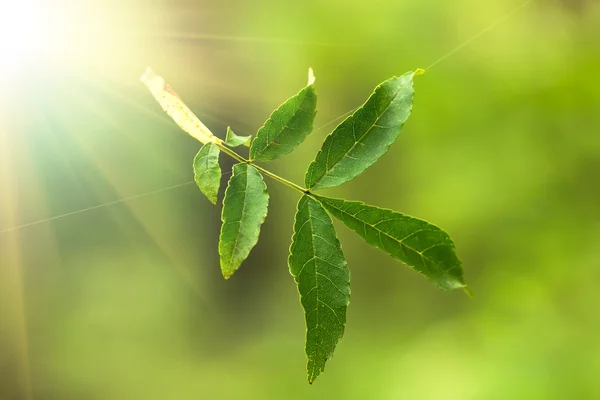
{"x": 364, "y": 136}
{"x": 319, "y": 268}
{"x": 244, "y": 210}
{"x": 417, "y": 243}
{"x": 207, "y": 171}
{"x": 287, "y": 127}
{"x": 233, "y": 140}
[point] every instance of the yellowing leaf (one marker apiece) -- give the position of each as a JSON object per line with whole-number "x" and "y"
{"x": 172, "y": 104}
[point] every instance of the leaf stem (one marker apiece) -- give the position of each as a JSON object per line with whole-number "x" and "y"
{"x": 231, "y": 153}
{"x": 271, "y": 175}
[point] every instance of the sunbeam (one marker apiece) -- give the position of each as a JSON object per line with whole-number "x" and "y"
{"x": 108, "y": 177}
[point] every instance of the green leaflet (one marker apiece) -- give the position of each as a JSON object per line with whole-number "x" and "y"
{"x": 287, "y": 127}
{"x": 233, "y": 140}
{"x": 364, "y": 136}
{"x": 316, "y": 260}
{"x": 319, "y": 268}
{"x": 417, "y": 243}
{"x": 244, "y": 211}
{"x": 207, "y": 171}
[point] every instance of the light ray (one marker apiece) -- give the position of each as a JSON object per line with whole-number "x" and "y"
{"x": 115, "y": 178}
{"x": 12, "y": 294}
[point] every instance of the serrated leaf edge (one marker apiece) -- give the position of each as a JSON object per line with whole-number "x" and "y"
{"x": 451, "y": 244}
{"x": 262, "y": 220}
{"x": 312, "y": 376}
{"x": 252, "y": 156}
{"x": 310, "y": 169}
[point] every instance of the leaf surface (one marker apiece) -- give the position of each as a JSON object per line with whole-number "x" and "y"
{"x": 364, "y": 136}
{"x": 244, "y": 210}
{"x": 319, "y": 268}
{"x": 415, "y": 242}
{"x": 207, "y": 171}
{"x": 233, "y": 140}
{"x": 287, "y": 126}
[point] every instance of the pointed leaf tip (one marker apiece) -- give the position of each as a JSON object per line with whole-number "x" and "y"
{"x": 233, "y": 140}
{"x": 311, "y": 77}
{"x": 419, "y": 71}
{"x": 152, "y": 81}
{"x": 148, "y": 73}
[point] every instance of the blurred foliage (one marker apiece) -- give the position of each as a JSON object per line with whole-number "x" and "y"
{"x": 127, "y": 302}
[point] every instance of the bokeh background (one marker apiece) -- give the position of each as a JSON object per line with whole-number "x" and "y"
{"x": 126, "y": 301}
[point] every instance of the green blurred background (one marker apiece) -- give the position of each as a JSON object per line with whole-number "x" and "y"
{"x": 126, "y": 301}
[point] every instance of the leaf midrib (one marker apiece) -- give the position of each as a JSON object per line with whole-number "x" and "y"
{"x": 314, "y": 252}
{"x": 400, "y": 241}
{"x": 237, "y": 234}
{"x": 274, "y": 142}
{"x": 359, "y": 141}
